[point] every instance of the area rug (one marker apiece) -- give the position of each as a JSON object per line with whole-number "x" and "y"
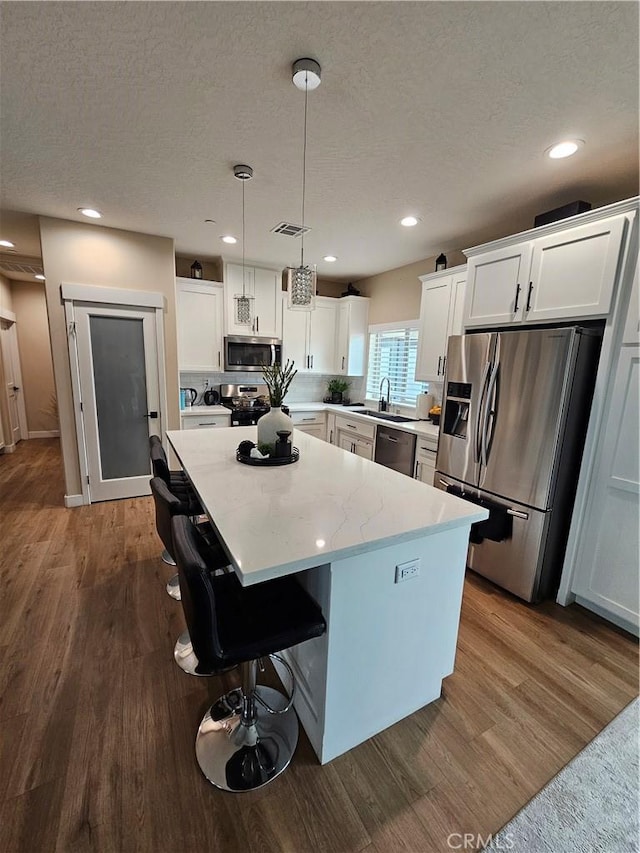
{"x": 591, "y": 805}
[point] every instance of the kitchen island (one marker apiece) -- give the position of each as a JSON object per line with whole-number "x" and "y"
{"x": 350, "y": 530}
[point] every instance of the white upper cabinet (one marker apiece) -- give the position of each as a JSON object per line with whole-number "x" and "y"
{"x": 441, "y": 310}
{"x": 353, "y": 329}
{"x": 495, "y": 284}
{"x": 264, "y": 286}
{"x": 567, "y": 272}
{"x": 309, "y": 337}
{"x": 199, "y": 320}
{"x": 573, "y": 273}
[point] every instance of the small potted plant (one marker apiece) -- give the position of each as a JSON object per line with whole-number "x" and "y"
{"x": 278, "y": 379}
{"x": 337, "y": 388}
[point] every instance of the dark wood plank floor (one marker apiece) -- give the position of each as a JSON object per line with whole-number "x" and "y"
{"x": 98, "y": 724}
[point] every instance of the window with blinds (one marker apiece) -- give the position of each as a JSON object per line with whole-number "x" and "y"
{"x": 393, "y": 353}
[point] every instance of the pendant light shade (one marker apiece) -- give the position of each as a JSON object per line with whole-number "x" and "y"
{"x": 302, "y": 280}
{"x": 243, "y": 302}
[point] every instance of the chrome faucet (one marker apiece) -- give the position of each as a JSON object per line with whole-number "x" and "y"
{"x": 383, "y": 405}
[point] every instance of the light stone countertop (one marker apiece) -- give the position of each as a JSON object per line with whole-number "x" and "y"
{"x": 329, "y": 505}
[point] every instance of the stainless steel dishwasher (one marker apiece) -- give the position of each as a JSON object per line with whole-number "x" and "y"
{"x": 395, "y": 449}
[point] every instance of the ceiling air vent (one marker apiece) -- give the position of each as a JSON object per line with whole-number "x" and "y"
{"x": 28, "y": 266}
{"x": 290, "y": 230}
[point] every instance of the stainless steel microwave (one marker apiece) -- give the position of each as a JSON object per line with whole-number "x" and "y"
{"x": 251, "y": 354}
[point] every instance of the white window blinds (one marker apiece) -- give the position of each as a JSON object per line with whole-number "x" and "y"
{"x": 392, "y": 353}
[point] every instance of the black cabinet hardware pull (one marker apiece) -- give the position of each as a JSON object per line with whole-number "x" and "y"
{"x": 528, "y": 308}
{"x": 439, "y": 363}
{"x": 515, "y": 307}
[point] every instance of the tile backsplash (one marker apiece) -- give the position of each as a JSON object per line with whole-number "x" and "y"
{"x": 305, "y": 388}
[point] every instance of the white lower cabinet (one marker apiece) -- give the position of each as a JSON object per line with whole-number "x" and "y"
{"x": 425, "y": 464}
{"x": 313, "y": 423}
{"x": 356, "y": 437}
{"x": 204, "y": 420}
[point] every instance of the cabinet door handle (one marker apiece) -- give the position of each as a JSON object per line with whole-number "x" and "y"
{"x": 311, "y": 362}
{"x": 353, "y": 447}
{"x": 444, "y": 364}
{"x": 308, "y": 419}
{"x": 258, "y": 324}
{"x": 351, "y": 426}
{"x": 330, "y": 436}
{"x": 342, "y": 362}
{"x": 416, "y": 476}
{"x": 528, "y": 308}
{"x": 218, "y": 358}
{"x": 515, "y": 305}
{"x": 439, "y": 363}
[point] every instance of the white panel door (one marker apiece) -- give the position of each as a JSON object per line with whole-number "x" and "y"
{"x": 607, "y": 576}
{"x": 497, "y": 286}
{"x": 573, "y": 273}
{"x": 199, "y": 314}
{"x": 119, "y": 387}
{"x": 322, "y": 337}
{"x": 13, "y": 382}
{"x": 268, "y": 293}
{"x": 295, "y": 337}
{"x": 432, "y": 339}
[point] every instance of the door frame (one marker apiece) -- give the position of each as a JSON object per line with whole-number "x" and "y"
{"x": 87, "y": 293}
{"x": 10, "y": 318}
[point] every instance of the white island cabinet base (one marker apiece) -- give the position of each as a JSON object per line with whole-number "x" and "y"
{"x": 388, "y": 645}
{"x": 342, "y": 525}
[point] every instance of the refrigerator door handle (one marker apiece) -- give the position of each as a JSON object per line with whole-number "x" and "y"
{"x": 517, "y": 514}
{"x": 483, "y": 387}
{"x": 488, "y": 421}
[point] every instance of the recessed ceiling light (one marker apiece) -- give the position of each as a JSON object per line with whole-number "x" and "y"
{"x": 409, "y": 221}
{"x": 564, "y": 149}
{"x": 229, "y": 239}
{"x": 39, "y": 277}
{"x": 90, "y": 212}
{"x": 330, "y": 259}
{"x": 7, "y": 244}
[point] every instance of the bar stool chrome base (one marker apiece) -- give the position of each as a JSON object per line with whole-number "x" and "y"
{"x": 238, "y": 757}
{"x": 184, "y": 655}
{"x": 173, "y": 587}
{"x": 167, "y": 558}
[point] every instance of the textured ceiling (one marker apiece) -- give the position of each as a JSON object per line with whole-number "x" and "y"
{"x": 439, "y": 109}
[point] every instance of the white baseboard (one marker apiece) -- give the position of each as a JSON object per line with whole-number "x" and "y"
{"x": 74, "y": 500}
{"x": 44, "y": 433}
{"x": 9, "y": 448}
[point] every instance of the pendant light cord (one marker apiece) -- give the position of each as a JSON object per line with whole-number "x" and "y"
{"x": 243, "y": 272}
{"x": 304, "y": 163}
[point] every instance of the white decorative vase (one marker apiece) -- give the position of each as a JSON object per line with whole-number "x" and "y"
{"x": 271, "y": 423}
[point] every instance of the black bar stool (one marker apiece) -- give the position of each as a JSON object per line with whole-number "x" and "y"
{"x": 167, "y": 505}
{"x": 249, "y": 735}
{"x": 178, "y": 484}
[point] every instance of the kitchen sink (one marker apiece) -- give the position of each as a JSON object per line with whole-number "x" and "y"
{"x": 386, "y": 416}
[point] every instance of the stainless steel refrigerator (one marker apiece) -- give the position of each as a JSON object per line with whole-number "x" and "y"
{"x": 514, "y": 419}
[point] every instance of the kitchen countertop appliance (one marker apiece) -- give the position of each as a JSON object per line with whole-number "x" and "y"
{"x": 514, "y": 419}
{"x": 251, "y": 354}
{"x": 395, "y": 449}
{"x": 247, "y": 402}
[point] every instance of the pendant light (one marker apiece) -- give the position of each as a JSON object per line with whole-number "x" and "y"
{"x": 302, "y": 280}
{"x": 243, "y": 303}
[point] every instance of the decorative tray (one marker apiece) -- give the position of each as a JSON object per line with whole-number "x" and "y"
{"x": 271, "y": 460}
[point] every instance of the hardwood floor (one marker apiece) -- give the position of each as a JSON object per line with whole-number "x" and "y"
{"x": 98, "y": 723}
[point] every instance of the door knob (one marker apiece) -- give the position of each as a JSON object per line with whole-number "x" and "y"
{"x": 16, "y": 387}
{"x": 151, "y": 415}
